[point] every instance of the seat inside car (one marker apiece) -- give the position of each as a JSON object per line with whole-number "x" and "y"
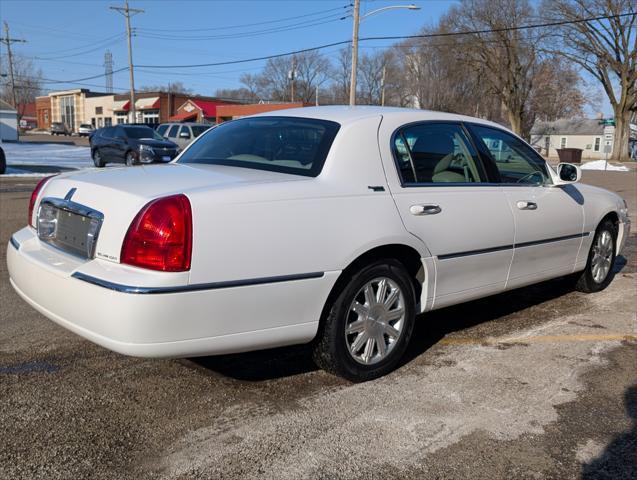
{"x": 432, "y": 154}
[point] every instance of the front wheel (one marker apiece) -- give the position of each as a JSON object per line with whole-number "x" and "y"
{"x": 130, "y": 159}
{"x": 601, "y": 259}
{"x": 368, "y": 325}
{"x": 97, "y": 159}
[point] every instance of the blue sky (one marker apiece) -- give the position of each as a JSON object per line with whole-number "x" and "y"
{"x": 69, "y": 37}
{"x": 73, "y": 35}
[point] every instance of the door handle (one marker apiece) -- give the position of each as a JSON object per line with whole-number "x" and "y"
{"x": 428, "y": 209}
{"x": 526, "y": 205}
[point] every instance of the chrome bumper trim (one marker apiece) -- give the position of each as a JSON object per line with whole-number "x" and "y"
{"x": 195, "y": 287}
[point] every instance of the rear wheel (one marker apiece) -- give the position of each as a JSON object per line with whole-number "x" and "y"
{"x": 97, "y": 159}
{"x": 369, "y": 323}
{"x": 601, "y": 259}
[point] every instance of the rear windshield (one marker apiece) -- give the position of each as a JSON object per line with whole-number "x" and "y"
{"x": 280, "y": 144}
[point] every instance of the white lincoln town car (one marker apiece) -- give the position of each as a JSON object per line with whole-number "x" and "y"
{"x": 329, "y": 225}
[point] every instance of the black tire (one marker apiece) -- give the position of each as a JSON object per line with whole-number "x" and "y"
{"x": 97, "y": 159}
{"x": 330, "y": 347}
{"x": 131, "y": 160}
{"x": 586, "y": 282}
{"x": 3, "y": 162}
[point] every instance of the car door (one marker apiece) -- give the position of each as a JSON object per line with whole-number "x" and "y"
{"x": 185, "y": 135}
{"x": 171, "y": 134}
{"x": 120, "y": 145}
{"x": 104, "y": 142}
{"x": 445, "y": 198}
{"x": 549, "y": 220}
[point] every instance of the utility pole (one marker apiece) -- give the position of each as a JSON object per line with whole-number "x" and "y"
{"x": 128, "y": 12}
{"x": 382, "y": 87}
{"x": 7, "y": 40}
{"x": 352, "y": 83}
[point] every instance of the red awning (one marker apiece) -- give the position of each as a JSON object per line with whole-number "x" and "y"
{"x": 121, "y": 106}
{"x": 183, "y": 116}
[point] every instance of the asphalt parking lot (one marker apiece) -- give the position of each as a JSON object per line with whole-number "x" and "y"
{"x": 536, "y": 383}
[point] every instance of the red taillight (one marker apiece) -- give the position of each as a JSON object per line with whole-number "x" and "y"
{"x": 160, "y": 237}
{"x": 34, "y": 197}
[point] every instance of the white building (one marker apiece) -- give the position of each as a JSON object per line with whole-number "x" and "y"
{"x": 99, "y": 111}
{"x": 8, "y": 122}
{"x": 584, "y": 133}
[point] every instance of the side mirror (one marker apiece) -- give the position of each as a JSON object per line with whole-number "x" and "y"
{"x": 184, "y": 135}
{"x": 569, "y": 173}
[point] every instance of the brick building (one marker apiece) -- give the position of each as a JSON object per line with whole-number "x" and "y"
{"x": 160, "y": 107}
{"x": 230, "y": 112}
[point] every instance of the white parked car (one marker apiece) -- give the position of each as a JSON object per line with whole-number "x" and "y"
{"x": 85, "y": 130}
{"x": 330, "y": 225}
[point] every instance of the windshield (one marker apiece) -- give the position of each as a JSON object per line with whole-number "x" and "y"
{"x": 142, "y": 132}
{"x": 198, "y": 130}
{"x": 280, "y": 144}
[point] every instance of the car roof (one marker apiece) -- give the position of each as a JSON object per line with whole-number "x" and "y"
{"x": 345, "y": 114}
{"x": 190, "y": 124}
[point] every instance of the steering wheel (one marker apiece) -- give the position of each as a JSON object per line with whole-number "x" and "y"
{"x": 531, "y": 175}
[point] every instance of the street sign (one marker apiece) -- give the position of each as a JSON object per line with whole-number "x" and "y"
{"x": 607, "y": 122}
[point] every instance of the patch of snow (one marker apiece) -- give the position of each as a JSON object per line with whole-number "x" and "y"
{"x": 604, "y": 165}
{"x": 47, "y": 154}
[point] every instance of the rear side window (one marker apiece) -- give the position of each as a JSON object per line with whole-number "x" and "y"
{"x": 436, "y": 153}
{"x": 173, "y": 131}
{"x": 516, "y": 161}
{"x": 282, "y": 144}
{"x": 161, "y": 129}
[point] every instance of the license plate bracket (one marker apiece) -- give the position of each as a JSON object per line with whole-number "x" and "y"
{"x": 69, "y": 226}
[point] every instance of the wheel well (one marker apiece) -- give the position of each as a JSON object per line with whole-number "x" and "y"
{"x": 612, "y": 216}
{"x": 408, "y": 256}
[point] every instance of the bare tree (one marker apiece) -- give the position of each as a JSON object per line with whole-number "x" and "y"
{"x": 606, "y": 49}
{"x": 28, "y": 83}
{"x": 558, "y": 91}
{"x": 506, "y": 58}
{"x": 172, "y": 87}
{"x": 341, "y": 76}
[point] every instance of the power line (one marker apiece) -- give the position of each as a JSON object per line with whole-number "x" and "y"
{"x": 230, "y": 27}
{"x": 63, "y": 53}
{"x": 282, "y": 28}
{"x": 395, "y": 37}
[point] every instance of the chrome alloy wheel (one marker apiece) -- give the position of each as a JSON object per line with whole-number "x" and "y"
{"x": 602, "y": 256}
{"x": 375, "y": 321}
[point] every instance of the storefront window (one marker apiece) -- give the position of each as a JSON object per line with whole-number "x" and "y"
{"x": 67, "y": 111}
{"x": 151, "y": 117}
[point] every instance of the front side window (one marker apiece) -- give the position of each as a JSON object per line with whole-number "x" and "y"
{"x": 516, "y": 161}
{"x": 436, "y": 153}
{"x": 198, "y": 130}
{"x": 184, "y": 130}
{"x": 162, "y": 129}
{"x": 281, "y": 144}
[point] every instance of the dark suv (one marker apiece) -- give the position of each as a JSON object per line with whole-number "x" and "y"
{"x": 130, "y": 144}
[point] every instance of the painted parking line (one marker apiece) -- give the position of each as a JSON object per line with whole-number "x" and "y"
{"x": 608, "y": 337}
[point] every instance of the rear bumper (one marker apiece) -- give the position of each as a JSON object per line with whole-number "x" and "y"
{"x": 182, "y": 324}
